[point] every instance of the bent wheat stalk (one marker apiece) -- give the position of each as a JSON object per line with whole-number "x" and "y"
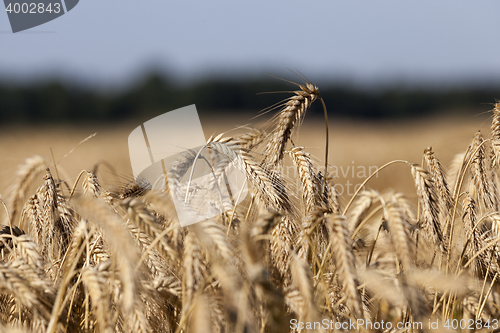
{"x": 291, "y": 115}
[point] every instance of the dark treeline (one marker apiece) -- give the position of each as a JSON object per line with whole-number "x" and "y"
{"x": 54, "y": 101}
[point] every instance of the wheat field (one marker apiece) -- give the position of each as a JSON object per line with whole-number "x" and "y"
{"x": 413, "y": 248}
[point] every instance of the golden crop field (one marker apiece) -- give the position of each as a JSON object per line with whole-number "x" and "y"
{"x": 415, "y": 250}
{"x": 354, "y": 145}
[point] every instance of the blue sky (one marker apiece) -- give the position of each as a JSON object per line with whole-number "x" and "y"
{"x": 111, "y": 42}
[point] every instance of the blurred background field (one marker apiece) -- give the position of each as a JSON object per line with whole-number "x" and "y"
{"x": 356, "y": 146}
{"x": 369, "y": 126}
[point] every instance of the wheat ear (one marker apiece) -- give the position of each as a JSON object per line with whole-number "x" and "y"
{"x": 283, "y": 240}
{"x": 96, "y": 286}
{"x": 269, "y": 186}
{"x": 120, "y": 244}
{"x": 251, "y": 139}
{"x": 345, "y": 262}
{"x": 26, "y": 175}
{"x": 194, "y": 271}
{"x": 290, "y": 115}
{"x": 91, "y": 186}
{"x": 439, "y": 179}
{"x": 311, "y": 186}
{"x": 469, "y": 218}
{"x": 428, "y": 204}
{"x": 399, "y": 230}
{"x": 481, "y": 173}
{"x": 147, "y": 222}
{"x": 495, "y": 133}
{"x": 302, "y": 280}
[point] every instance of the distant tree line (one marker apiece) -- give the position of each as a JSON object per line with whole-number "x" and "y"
{"x": 56, "y": 102}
